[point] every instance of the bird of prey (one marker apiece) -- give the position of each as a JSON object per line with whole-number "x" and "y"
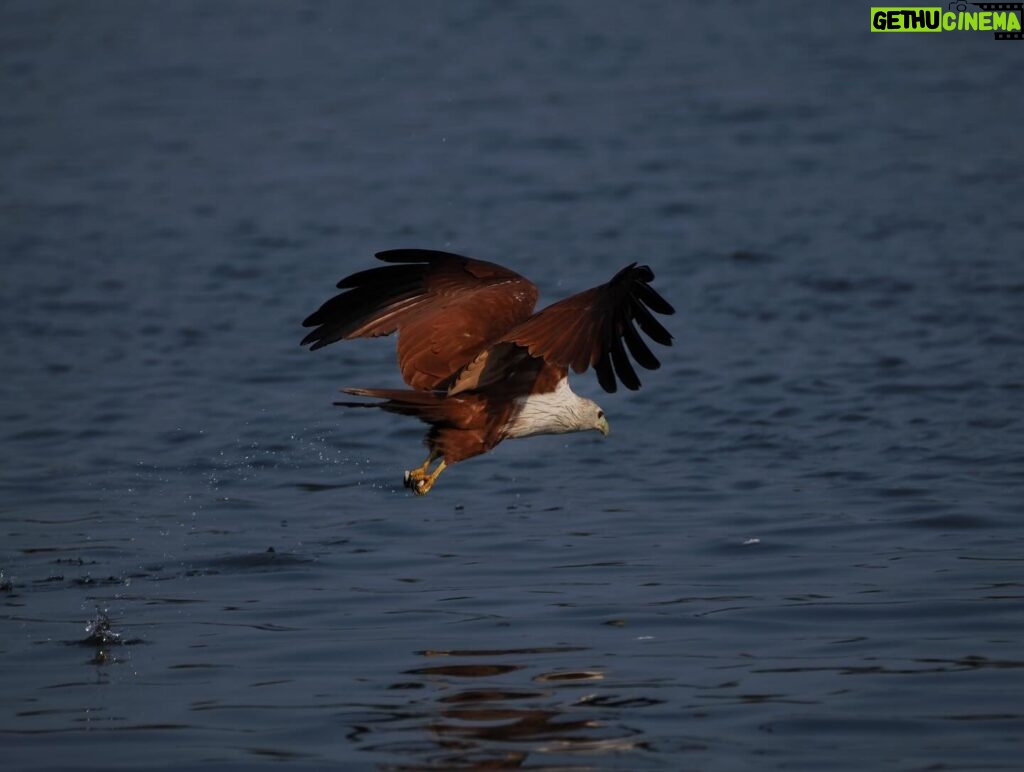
{"x": 482, "y": 366}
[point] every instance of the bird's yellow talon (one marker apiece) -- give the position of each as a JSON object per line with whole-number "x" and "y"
{"x": 415, "y": 476}
{"x": 419, "y": 481}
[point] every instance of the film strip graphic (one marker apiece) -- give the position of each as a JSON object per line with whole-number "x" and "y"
{"x": 1005, "y": 7}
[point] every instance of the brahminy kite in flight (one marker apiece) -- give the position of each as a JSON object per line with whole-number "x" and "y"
{"x": 482, "y": 365}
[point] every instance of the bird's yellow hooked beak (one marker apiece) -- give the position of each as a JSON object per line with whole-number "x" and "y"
{"x": 602, "y": 426}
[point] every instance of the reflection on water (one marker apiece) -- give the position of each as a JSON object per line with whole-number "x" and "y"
{"x": 489, "y": 714}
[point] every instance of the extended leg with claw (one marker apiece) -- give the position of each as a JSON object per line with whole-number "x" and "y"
{"x": 424, "y": 486}
{"x": 421, "y": 480}
{"x": 414, "y": 476}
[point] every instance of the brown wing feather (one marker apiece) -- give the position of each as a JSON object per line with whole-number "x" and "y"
{"x": 588, "y": 329}
{"x": 446, "y": 308}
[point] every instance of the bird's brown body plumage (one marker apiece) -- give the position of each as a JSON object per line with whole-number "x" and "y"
{"x": 474, "y": 352}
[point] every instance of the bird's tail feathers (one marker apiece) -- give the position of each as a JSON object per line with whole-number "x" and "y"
{"x": 429, "y": 406}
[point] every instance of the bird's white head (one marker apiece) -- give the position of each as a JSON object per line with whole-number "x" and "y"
{"x": 593, "y": 417}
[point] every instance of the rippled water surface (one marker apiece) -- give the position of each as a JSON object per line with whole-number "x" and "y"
{"x": 800, "y": 548}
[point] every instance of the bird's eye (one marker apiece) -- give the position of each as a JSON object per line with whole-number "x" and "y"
{"x": 600, "y": 414}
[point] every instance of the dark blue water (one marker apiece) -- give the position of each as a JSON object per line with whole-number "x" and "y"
{"x": 800, "y": 548}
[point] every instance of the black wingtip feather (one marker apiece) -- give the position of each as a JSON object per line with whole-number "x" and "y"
{"x": 393, "y": 276}
{"x": 605, "y": 376}
{"x": 653, "y": 300}
{"x": 414, "y": 255}
{"x": 638, "y": 349}
{"x": 652, "y": 328}
{"x": 623, "y": 368}
{"x": 366, "y": 294}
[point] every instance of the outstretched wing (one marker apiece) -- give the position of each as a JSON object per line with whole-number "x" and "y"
{"x": 445, "y": 307}
{"x": 589, "y": 329}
